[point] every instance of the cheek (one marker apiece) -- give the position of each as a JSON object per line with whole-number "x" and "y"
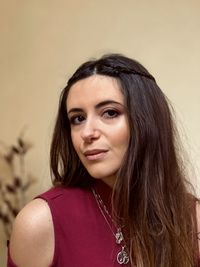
{"x": 120, "y": 138}
{"x": 123, "y": 141}
{"x": 75, "y": 141}
{"x": 119, "y": 146}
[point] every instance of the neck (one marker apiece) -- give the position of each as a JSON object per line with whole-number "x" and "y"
{"x": 110, "y": 181}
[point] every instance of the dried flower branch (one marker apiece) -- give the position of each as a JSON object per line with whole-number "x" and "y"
{"x": 13, "y": 185}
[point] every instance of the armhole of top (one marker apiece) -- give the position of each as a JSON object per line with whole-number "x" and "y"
{"x": 51, "y": 208}
{"x": 10, "y": 262}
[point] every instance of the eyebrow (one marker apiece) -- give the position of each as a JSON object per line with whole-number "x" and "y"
{"x": 97, "y": 106}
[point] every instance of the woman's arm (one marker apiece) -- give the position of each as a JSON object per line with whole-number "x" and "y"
{"x": 32, "y": 239}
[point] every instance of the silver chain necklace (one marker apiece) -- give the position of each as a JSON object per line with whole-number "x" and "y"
{"x": 122, "y": 256}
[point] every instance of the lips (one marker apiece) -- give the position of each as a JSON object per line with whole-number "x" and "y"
{"x": 95, "y": 154}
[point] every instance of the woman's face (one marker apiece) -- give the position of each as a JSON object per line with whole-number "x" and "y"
{"x": 99, "y": 125}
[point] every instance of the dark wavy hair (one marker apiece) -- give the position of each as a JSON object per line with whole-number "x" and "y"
{"x": 150, "y": 195}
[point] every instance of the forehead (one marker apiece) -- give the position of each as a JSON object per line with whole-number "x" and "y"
{"x": 94, "y": 89}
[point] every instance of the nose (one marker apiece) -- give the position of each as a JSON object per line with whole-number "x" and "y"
{"x": 90, "y": 131}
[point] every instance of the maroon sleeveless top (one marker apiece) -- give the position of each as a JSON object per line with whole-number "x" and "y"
{"x": 82, "y": 235}
{"x": 83, "y": 238}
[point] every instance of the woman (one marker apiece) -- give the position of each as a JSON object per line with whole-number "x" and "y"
{"x": 120, "y": 195}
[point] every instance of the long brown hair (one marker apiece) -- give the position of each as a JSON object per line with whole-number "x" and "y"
{"x": 150, "y": 196}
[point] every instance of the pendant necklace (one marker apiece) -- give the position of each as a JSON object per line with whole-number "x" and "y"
{"x": 122, "y": 256}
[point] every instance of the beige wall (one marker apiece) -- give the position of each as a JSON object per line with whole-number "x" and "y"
{"x": 43, "y": 41}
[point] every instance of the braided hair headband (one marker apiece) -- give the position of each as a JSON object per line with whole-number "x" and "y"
{"x": 117, "y": 70}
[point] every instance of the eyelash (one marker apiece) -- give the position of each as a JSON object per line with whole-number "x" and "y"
{"x": 74, "y": 118}
{"x": 112, "y": 116}
{"x": 105, "y": 114}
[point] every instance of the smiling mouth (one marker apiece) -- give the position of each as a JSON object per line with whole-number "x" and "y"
{"x": 95, "y": 154}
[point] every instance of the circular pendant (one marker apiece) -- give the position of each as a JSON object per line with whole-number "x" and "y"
{"x": 122, "y": 257}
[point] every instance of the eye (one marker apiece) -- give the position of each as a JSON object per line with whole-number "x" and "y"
{"x": 110, "y": 113}
{"x": 77, "y": 119}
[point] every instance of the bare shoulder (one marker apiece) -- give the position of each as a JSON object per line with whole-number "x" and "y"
{"x": 32, "y": 239}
